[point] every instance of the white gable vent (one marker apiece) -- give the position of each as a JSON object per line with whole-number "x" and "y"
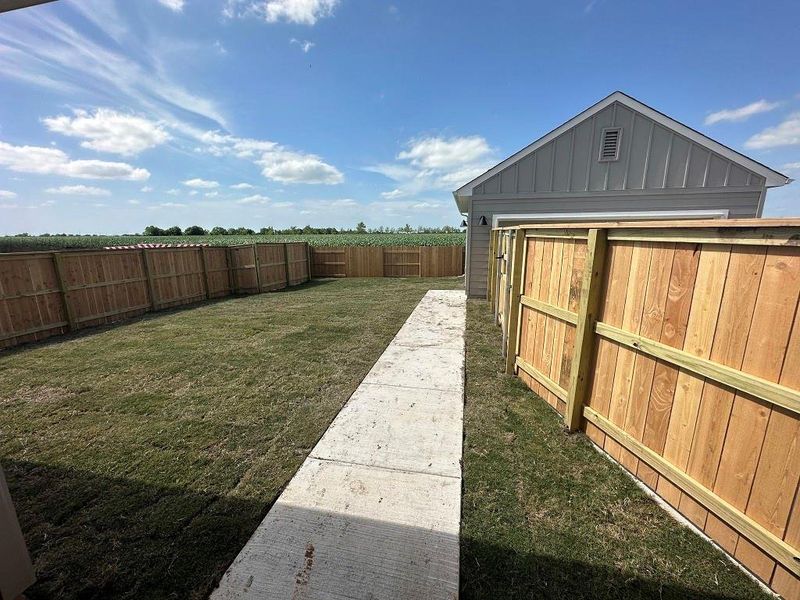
{"x": 609, "y": 143}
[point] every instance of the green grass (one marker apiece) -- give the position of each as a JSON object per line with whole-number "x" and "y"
{"x": 141, "y": 457}
{"x": 32, "y": 243}
{"x": 546, "y": 516}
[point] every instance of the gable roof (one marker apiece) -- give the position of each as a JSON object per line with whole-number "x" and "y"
{"x": 773, "y": 178}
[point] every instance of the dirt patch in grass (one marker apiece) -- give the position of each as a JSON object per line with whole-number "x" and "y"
{"x": 546, "y": 516}
{"x": 142, "y": 457}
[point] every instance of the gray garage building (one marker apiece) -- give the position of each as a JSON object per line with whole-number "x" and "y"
{"x": 617, "y": 160}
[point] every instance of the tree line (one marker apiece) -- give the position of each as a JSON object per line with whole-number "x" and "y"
{"x": 152, "y": 230}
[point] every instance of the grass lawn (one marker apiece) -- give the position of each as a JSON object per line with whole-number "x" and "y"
{"x": 546, "y": 516}
{"x": 141, "y": 457}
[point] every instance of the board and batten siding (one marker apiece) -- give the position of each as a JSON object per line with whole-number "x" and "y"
{"x": 658, "y": 170}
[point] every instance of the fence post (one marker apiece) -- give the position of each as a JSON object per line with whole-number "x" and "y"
{"x": 258, "y": 268}
{"x": 206, "y": 283}
{"x": 310, "y": 255}
{"x": 492, "y": 267}
{"x": 286, "y": 261}
{"x": 232, "y": 274}
{"x": 64, "y": 291}
{"x": 591, "y": 290}
{"x": 513, "y": 300}
{"x": 151, "y": 291}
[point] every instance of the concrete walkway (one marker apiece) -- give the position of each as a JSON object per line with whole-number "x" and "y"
{"x": 374, "y": 510}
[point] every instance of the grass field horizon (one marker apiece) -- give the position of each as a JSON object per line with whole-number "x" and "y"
{"x": 30, "y": 243}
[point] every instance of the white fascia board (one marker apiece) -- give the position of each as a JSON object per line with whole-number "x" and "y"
{"x": 773, "y": 178}
{"x": 596, "y": 217}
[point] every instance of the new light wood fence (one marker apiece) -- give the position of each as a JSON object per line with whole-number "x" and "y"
{"x": 676, "y": 347}
{"x": 388, "y": 261}
{"x": 50, "y": 293}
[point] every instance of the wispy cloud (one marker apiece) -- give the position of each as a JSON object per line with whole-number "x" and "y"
{"x": 742, "y": 113}
{"x": 305, "y": 45}
{"x": 62, "y": 57}
{"x": 786, "y": 133}
{"x": 435, "y": 163}
{"x": 7, "y": 194}
{"x": 254, "y": 199}
{"x": 78, "y": 190}
{"x": 241, "y": 186}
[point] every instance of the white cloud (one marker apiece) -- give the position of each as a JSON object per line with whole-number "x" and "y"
{"x": 146, "y": 189}
{"x": 7, "y": 194}
{"x": 171, "y": 205}
{"x": 395, "y": 193}
{"x": 277, "y": 162}
{"x": 254, "y": 199}
{"x": 302, "y": 12}
{"x": 288, "y": 166}
{"x": 211, "y": 194}
{"x": 305, "y": 45}
{"x": 786, "y": 133}
{"x": 109, "y": 131}
{"x": 99, "y": 205}
{"x": 78, "y": 190}
{"x": 441, "y": 153}
{"x": 173, "y": 192}
{"x": 173, "y": 5}
{"x": 220, "y": 48}
{"x": 435, "y": 163}
{"x": 791, "y": 167}
{"x": 742, "y": 113}
{"x": 241, "y": 186}
{"x": 201, "y": 183}
{"x": 283, "y": 205}
{"x": 134, "y": 202}
{"x": 51, "y": 161}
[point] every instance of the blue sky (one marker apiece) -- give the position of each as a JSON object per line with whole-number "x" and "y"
{"x": 119, "y": 114}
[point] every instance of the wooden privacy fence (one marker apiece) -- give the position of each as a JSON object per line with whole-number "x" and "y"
{"x": 49, "y": 293}
{"x": 676, "y": 347}
{"x": 388, "y": 261}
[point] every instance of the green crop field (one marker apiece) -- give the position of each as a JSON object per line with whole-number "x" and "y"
{"x": 32, "y": 243}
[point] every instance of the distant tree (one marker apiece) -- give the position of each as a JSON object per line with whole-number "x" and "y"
{"x": 22, "y": 235}
{"x": 240, "y": 231}
{"x": 195, "y": 230}
{"x": 153, "y": 230}
{"x": 218, "y": 231}
{"x": 266, "y": 231}
{"x": 361, "y": 227}
{"x": 174, "y": 230}
{"x": 309, "y": 229}
{"x": 407, "y": 228}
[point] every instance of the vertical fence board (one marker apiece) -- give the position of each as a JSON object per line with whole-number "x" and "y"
{"x": 733, "y": 455}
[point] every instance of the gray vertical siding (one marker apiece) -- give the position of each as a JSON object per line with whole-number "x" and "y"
{"x": 739, "y": 203}
{"x": 651, "y": 157}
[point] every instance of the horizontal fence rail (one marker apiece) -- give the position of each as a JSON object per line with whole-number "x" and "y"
{"x": 676, "y": 347}
{"x": 388, "y": 261}
{"x": 50, "y": 293}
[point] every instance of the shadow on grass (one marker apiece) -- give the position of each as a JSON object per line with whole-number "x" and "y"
{"x": 94, "y": 536}
{"x": 494, "y": 572}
